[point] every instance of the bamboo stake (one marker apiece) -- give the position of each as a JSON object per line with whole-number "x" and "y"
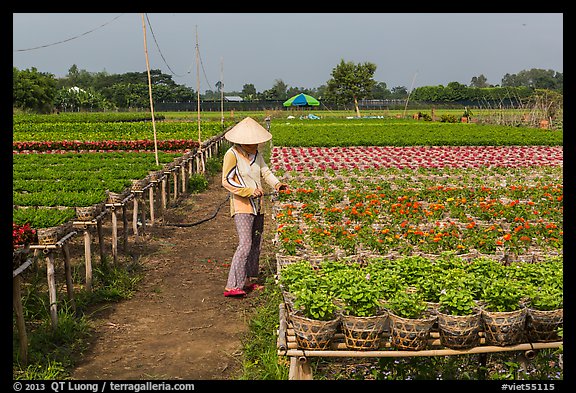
{"x": 183, "y": 177}
{"x": 175, "y": 184}
{"x": 51, "y": 278}
{"x": 20, "y": 323}
{"x": 410, "y": 93}
{"x": 135, "y": 216}
{"x": 198, "y": 97}
{"x": 68, "y": 271}
{"x": 88, "y": 258}
{"x": 429, "y": 352}
{"x": 283, "y": 327}
{"x": 114, "y": 234}
{"x": 164, "y": 181}
{"x": 150, "y": 90}
{"x": 151, "y": 202}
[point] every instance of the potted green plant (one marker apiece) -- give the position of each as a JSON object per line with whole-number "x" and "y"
{"x": 314, "y": 318}
{"x": 410, "y": 325}
{"x": 363, "y": 319}
{"x": 459, "y": 318}
{"x": 503, "y": 313}
{"x": 545, "y": 313}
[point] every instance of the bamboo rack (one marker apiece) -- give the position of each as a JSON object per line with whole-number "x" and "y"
{"x": 300, "y": 369}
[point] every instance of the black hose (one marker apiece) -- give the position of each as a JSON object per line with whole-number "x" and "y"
{"x": 201, "y": 221}
{"x": 206, "y": 219}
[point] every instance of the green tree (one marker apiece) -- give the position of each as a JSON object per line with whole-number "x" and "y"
{"x": 77, "y": 99}
{"x": 33, "y": 90}
{"x": 351, "y": 82}
{"x": 479, "y": 81}
{"x": 249, "y": 92}
{"x": 535, "y": 78}
{"x": 380, "y": 91}
{"x": 399, "y": 93}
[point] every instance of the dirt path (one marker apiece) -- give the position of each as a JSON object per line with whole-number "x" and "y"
{"x": 178, "y": 325}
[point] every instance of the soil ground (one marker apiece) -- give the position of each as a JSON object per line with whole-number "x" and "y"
{"x": 178, "y": 325}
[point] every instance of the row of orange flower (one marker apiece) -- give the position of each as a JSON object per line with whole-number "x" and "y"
{"x": 516, "y": 218}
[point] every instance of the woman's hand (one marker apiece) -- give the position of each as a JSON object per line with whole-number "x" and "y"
{"x": 257, "y": 193}
{"x": 281, "y": 187}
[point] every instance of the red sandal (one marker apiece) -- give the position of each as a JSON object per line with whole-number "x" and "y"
{"x": 235, "y": 292}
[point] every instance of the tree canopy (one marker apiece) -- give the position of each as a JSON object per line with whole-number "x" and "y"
{"x": 351, "y": 82}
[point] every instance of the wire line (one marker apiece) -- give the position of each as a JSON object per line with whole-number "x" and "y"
{"x": 69, "y": 39}
{"x": 158, "y": 47}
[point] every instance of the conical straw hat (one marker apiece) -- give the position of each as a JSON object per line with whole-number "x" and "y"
{"x": 248, "y": 132}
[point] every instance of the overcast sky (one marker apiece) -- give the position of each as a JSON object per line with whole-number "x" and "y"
{"x": 301, "y": 49}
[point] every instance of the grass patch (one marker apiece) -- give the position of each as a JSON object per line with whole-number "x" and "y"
{"x": 261, "y": 360}
{"x": 53, "y": 352}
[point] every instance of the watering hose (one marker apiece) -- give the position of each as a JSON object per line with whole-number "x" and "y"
{"x": 212, "y": 216}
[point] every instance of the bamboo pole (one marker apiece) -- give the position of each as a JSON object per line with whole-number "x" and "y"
{"x": 183, "y": 177}
{"x": 20, "y": 323}
{"x": 426, "y": 352}
{"x": 68, "y": 271}
{"x": 164, "y": 181}
{"x": 114, "y": 234}
{"x": 150, "y": 90}
{"x": 151, "y": 202}
{"x": 135, "y": 216}
{"x": 294, "y": 371}
{"x": 282, "y": 328}
{"x": 175, "y": 184}
{"x": 51, "y": 278}
{"x": 88, "y": 258}
{"x": 409, "y": 94}
{"x": 198, "y": 97}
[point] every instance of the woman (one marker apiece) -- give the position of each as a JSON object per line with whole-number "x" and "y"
{"x": 242, "y": 172}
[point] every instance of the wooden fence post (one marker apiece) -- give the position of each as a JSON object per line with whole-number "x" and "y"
{"x": 20, "y": 323}
{"x": 51, "y": 278}
{"x": 151, "y": 202}
{"x": 68, "y": 271}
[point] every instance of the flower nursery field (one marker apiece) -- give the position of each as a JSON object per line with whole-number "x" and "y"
{"x": 500, "y": 199}
{"x": 396, "y": 218}
{"x": 71, "y": 160}
{"x": 435, "y": 198}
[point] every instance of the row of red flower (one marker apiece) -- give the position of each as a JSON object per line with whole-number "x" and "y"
{"x": 313, "y": 158}
{"x": 22, "y": 234}
{"x": 142, "y": 144}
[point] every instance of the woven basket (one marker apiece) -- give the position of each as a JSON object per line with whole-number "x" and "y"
{"x": 460, "y": 331}
{"x": 542, "y": 326}
{"x": 48, "y": 235}
{"x": 114, "y": 197}
{"x": 289, "y": 298}
{"x": 504, "y": 327}
{"x": 313, "y": 334}
{"x": 138, "y": 185}
{"x": 155, "y": 175}
{"x": 363, "y": 332}
{"x": 85, "y": 213}
{"x": 411, "y": 334}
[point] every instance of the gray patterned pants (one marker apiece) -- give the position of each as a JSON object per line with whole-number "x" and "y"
{"x": 245, "y": 262}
